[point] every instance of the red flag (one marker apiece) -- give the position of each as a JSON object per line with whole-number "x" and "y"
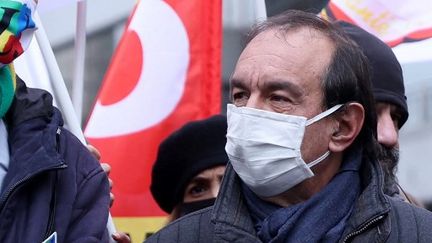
{"x": 165, "y": 72}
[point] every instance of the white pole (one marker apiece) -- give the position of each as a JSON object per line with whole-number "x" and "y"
{"x": 80, "y": 49}
{"x": 260, "y": 10}
{"x": 58, "y": 84}
{"x": 63, "y": 101}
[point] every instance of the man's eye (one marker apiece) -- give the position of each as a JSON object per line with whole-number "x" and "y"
{"x": 197, "y": 190}
{"x": 240, "y": 98}
{"x": 279, "y": 98}
{"x": 239, "y": 95}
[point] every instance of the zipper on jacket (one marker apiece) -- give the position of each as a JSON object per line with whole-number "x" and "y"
{"x": 10, "y": 190}
{"x": 364, "y": 228}
{"x": 18, "y": 183}
{"x": 53, "y": 203}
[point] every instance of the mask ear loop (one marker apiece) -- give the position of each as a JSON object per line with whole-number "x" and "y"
{"x": 315, "y": 119}
{"x": 323, "y": 114}
{"x": 321, "y": 158}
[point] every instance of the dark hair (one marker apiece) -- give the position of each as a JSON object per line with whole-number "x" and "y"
{"x": 347, "y": 77}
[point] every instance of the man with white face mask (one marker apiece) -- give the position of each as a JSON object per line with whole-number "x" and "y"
{"x": 302, "y": 146}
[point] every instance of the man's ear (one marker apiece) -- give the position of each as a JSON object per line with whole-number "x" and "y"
{"x": 349, "y": 124}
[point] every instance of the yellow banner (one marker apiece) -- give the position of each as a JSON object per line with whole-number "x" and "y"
{"x": 141, "y": 228}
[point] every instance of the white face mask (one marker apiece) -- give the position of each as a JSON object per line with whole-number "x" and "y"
{"x": 264, "y": 148}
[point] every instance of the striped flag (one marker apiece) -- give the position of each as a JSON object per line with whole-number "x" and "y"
{"x": 165, "y": 72}
{"x": 16, "y": 28}
{"x": 16, "y": 31}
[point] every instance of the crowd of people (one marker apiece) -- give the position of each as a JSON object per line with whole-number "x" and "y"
{"x": 312, "y": 141}
{"x": 307, "y": 152}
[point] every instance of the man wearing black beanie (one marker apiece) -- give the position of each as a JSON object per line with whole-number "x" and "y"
{"x": 391, "y": 102}
{"x": 189, "y": 167}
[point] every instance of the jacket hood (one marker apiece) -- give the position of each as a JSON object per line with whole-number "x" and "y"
{"x": 35, "y": 103}
{"x": 33, "y": 124}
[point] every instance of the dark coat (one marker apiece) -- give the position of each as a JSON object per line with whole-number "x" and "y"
{"x": 53, "y": 183}
{"x": 375, "y": 218}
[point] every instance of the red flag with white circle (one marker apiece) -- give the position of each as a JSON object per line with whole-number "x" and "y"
{"x": 166, "y": 71}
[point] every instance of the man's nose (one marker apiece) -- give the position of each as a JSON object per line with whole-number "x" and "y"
{"x": 215, "y": 189}
{"x": 388, "y": 133}
{"x": 254, "y": 102}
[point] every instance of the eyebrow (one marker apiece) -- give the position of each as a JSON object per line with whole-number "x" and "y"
{"x": 198, "y": 180}
{"x": 290, "y": 87}
{"x": 270, "y": 86}
{"x": 237, "y": 83}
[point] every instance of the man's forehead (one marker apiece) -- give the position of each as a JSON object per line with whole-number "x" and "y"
{"x": 283, "y": 34}
{"x": 386, "y": 103}
{"x": 394, "y": 108}
{"x": 297, "y": 57}
{"x": 293, "y": 45}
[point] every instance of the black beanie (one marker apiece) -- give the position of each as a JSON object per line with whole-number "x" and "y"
{"x": 387, "y": 78}
{"x": 195, "y": 147}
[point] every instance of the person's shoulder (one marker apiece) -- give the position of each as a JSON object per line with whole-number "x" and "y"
{"x": 401, "y": 206}
{"x": 194, "y": 227}
{"x": 76, "y": 155}
{"x": 411, "y": 217}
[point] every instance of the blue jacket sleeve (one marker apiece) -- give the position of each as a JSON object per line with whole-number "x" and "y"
{"x": 90, "y": 214}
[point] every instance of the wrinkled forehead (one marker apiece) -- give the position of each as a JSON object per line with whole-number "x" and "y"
{"x": 301, "y": 53}
{"x": 279, "y": 35}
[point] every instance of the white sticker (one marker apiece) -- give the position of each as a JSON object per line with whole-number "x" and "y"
{"x": 51, "y": 239}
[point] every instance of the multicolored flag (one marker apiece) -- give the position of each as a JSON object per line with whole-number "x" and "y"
{"x": 16, "y": 28}
{"x": 406, "y": 26}
{"x": 16, "y": 31}
{"x": 166, "y": 71}
{"x": 394, "y": 22}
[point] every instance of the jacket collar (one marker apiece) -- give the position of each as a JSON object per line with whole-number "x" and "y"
{"x": 32, "y": 124}
{"x": 231, "y": 210}
{"x": 372, "y": 202}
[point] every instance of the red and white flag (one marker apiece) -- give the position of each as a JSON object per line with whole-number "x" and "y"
{"x": 166, "y": 71}
{"x": 404, "y": 25}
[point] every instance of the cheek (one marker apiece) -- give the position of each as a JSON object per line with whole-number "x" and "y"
{"x": 315, "y": 141}
{"x": 202, "y": 196}
{"x": 190, "y": 197}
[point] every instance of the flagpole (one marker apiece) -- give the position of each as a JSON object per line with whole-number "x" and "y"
{"x": 79, "y": 65}
{"x": 59, "y": 88}
{"x": 260, "y": 10}
{"x": 64, "y": 102}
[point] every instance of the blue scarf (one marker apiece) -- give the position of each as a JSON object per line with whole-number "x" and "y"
{"x": 321, "y": 218}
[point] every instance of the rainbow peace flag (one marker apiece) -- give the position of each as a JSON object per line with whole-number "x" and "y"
{"x": 16, "y": 28}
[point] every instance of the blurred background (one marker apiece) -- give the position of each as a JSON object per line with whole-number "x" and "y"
{"x": 106, "y": 24}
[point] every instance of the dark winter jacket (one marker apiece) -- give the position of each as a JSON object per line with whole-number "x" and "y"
{"x": 375, "y": 218}
{"x": 53, "y": 183}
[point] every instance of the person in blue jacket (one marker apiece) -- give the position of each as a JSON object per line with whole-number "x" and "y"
{"x": 52, "y": 189}
{"x": 50, "y": 182}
